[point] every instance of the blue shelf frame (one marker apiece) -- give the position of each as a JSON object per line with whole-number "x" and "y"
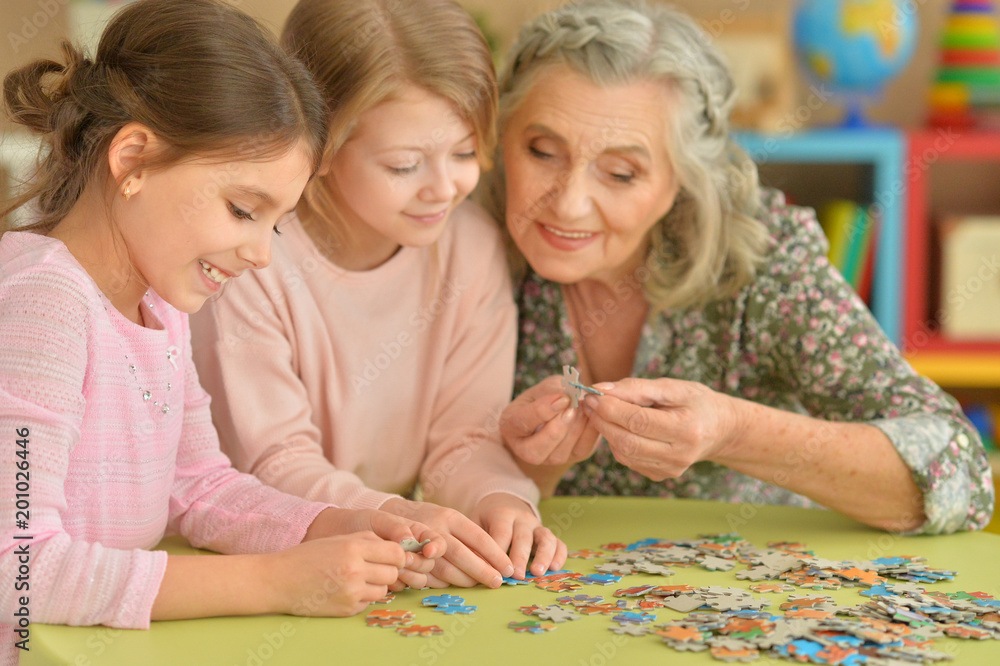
{"x": 885, "y": 150}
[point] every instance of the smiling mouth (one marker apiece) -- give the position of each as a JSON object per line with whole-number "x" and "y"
{"x": 576, "y": 235}
{"x": 213, "y": 273}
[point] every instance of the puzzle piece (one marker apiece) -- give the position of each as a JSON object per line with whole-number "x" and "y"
{"x": 413, "y": 546}
{"x": 580, "y": 600}
{"x": 389, "y": 618}
{"x": 599, "y": 579}
{"x": 631, "y": 629}
{"x": 559, "y": 586}
{"x": 556, "y": 614}
{"x": 634, "y": 618}
{"x": 771, "y": 588}
{"x": 585, "y": 554}
{"x": 531, "y": 627}
{"x": 389, "y": 596}
{"x": 418, "y": 630}
{"x": 443, "y": 600}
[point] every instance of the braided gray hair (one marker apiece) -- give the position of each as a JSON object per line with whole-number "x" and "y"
{"x": 709, "y": 244}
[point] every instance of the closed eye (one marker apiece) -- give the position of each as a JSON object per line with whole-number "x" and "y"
{"x": 239, "y": 213}
{"x": 538, "y": 153}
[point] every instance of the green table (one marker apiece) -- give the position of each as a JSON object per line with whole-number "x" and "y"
{"x": 483, "y": 637}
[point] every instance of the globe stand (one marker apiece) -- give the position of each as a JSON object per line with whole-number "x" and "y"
{"x": 855, "y": 115}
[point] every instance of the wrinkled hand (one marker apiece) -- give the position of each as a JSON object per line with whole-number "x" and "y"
{"x": 514, "y": 527}
{"x": 389, "y": 527}
{"x": 660, "y": 427}
{"x": 472, "y": 556}
{"x": 541, "y": 428}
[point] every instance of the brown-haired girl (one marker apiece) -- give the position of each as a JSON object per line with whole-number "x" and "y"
{"x": 376, "y": 352}
{"x": 169, "y": 159}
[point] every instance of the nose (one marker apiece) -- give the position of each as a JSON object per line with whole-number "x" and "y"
{"x": 570, "y": 195}
{"x": 441, "y": 186}
{"x": 257, "y": 249}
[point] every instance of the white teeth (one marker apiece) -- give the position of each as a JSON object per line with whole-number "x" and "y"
{"x": 569, "y": 234}
{"x": 214, "y": 273}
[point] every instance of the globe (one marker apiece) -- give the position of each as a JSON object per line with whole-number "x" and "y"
{"x": 855, "y": 46}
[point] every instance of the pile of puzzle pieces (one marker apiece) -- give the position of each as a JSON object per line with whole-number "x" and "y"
{"x": 896, "y": 624}
{"x": 403, "y": 620}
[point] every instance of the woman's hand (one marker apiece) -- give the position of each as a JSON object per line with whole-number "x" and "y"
{"x": 515, "y": 528}
{"x": 472, "y": 555}
{"x": 541, "y": 428}
{"x": 415, "y": 573}
{"x": 660, "y": 427}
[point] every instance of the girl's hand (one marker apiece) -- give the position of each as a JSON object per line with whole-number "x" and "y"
{"x": 471, "y": 557}
{"x": 541, "y": 428}
{"x": 333, "y": 576}
{"x": 660, "y": 427}
{"x": 331, "y": 522}
{"x": 514, "y": 527}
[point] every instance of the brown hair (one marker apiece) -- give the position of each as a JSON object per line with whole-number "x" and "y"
{"x": 204, "y": 77}
{"x": 361, "y": 52}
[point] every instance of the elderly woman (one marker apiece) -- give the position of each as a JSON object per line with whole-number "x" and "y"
{"x": 645, "y": 250}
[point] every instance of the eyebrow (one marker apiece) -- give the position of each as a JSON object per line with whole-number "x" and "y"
{"x": 420, "y": 149}
{"x": 625, "y": 149}
{"x": 254, "y": 192}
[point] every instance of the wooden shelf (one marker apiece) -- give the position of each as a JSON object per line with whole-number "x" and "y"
{"x": 964, "y": 363}
{"x": 973, "y": 369}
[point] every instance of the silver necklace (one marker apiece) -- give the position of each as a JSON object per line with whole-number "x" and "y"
{"x": 172, "y": 353}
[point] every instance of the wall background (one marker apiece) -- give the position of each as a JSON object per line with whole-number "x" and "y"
{"x": 33, "y": 28}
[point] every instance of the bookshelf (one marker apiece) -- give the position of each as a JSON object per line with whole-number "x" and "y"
{"x": 949, "y": 362}
{"x": 881, "y": 151}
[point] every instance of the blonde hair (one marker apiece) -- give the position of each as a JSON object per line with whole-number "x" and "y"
{"x": 204, "y": 77}
{"x": 710, "y": 243}
{"x": 362, "y": 52}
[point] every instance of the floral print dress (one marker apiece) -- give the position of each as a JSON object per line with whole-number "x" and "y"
{"x": 797, "y": 338}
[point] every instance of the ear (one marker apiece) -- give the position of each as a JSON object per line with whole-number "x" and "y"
{"x": 130, "y": 149}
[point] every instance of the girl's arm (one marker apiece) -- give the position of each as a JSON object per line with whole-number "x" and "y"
{"x": 467, "y": 465}
{"x": 46, "y": 316}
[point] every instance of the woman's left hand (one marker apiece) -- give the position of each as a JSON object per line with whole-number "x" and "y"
{"x": 660, "y": 427}
{"x": 514, "y": 527}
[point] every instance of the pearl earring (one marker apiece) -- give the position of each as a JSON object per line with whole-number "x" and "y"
{"x": 127, "y": 192}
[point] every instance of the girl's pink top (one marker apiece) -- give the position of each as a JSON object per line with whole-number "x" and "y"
{"x": 111, "y": 469}
{"x": 353, "y": 386}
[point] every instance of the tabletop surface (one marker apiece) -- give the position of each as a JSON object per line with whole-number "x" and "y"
{"x": 484, "y": 638}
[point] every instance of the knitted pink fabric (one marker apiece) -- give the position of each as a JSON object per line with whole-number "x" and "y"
{"x": 347, "y": 386}
{"x": 111, "y": 473}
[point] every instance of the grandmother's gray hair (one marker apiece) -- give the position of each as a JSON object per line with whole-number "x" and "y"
{"x": 710, "y": 243}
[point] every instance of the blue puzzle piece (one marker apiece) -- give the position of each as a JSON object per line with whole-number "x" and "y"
{"x": 642, "y": 544}
{"x": 634, "y": 618}
{"x": 802, "y": 650}
{"x": 517, "y": 581}
{"x": 443, "y": 600}
{"x": 457, "y": 609}
{"x": 878, "y": 591}
{"x": 599, "y": 579}
{"x": 890, "y": 561}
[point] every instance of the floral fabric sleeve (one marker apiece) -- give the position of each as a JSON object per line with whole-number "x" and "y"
{"x": 828, "y": 350}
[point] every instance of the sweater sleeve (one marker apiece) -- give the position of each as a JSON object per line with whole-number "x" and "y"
{"x": 260, "y": 407}
{"x": 826, "y": 348}
{"x": 212, "y": 504}
{"x": 44, "y": 319}
{"x": 466, "y": 457}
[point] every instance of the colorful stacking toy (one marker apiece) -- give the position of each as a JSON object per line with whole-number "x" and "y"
{"x": 966, "y": 91}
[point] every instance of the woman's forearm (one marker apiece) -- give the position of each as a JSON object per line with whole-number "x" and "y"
{"x": 852, "y": 468}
